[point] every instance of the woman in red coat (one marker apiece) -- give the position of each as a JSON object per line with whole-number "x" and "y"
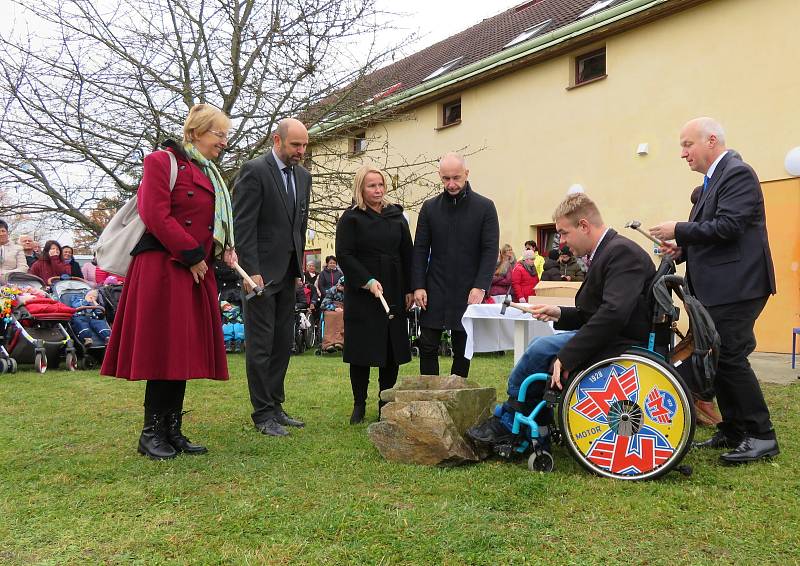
{"x": 167, "y": 328}
{"x": 50, "y": 263}
{"x": 524, "y": 277}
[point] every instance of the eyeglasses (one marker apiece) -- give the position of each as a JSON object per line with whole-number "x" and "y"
{"x": 220, "y": 135}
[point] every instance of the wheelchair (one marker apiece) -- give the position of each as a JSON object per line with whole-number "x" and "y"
{"x": 629, "y": 417}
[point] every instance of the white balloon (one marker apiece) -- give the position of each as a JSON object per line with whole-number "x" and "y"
{"x": 574, "y": 189}
{"x": 792, "y": 162}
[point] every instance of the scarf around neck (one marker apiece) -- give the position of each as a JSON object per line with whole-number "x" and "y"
{"x": 223, "y": 211}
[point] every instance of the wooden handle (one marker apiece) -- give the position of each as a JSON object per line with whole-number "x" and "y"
{"x": 383, "y": 302}
{"x": 244, "y": 275}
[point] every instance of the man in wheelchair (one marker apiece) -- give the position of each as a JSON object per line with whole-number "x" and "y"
{"x": 611, "y": 314}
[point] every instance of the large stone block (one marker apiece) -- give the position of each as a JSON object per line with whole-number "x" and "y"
{"x": 426, "y": 417}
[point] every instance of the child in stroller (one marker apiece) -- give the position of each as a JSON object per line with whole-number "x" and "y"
{"x": 232, "y": 326}
{"x": 88, "y": 323}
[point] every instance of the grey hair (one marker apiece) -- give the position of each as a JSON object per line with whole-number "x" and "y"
{"x": 453, "y": 155}
{"x": 710, "y": 127}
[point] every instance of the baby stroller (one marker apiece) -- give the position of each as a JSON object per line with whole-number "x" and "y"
{"x": 109, "y": 299}
{"x": 7, "y": 301}
{"x": 90, "y": 355}
{"x": 36, "y": 334}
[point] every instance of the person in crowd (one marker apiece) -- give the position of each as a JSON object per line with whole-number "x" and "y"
{"x": 333, "y": 307}
{"x": 12, "y": 258}
{"x": 552, "y": 269}
{"x": 611, "y": 313}
{"x": 168, "y": 342}
{"x": 50, "y": 264}
{"x": 310, "y": 281}
{"x": 538, "y": 260}
{"x": 68, "y": 257}
{"x": 301, "y": 297}
{"x": 329, "y": 276}
{"x": 310, "y": 274}
{"x": 28, "y": 246}
{"x": 524, "y": 278}
{"x": 271, "y": 201}
{"x": 102, "y": 276}
{"x": 89, "y": 326}
{"x": 88, "y": 271}
{"x": 373, "y": 243}
{"x": 568, "y": 266}
{"x": 729, "y": 269}
{"x": 457, "y": 225}
{"x": 501, "y": 280}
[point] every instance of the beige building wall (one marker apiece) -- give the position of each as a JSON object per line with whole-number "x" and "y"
{"x": 533, "y": 138}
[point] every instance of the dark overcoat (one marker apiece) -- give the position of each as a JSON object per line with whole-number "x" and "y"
{"x": 455, "y": 250}
{"x": 376, "y": 246}
{"x": 725, "y": 242}
{"x": 167, "y": 326}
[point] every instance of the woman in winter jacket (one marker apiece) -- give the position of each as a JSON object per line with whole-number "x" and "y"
{"x": 524, "y": 278}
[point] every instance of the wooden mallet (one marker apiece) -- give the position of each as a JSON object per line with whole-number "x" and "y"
{"x": 385, "y": 306}
{"x": 257, "y": 290}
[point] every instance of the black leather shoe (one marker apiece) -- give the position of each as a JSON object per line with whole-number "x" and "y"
{"x": 750, "y": 450}
{"x": 153, "y": 441}
{"x": 490, "y": 432}
{"x": 719, "y": 440}
{"x": 359, "y": 410}
{"x": 286, "y": 420}
{"x": 271, "y": 427}
{"x": 177, "y": 439}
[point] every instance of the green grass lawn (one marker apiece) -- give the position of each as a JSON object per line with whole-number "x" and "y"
{"x": 73, "y": 490}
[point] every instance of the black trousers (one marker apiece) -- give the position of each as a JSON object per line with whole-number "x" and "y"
{"x": 268, "y": 323}
{"x": 741, "y": 402}
{"x": 161, "y": 396}
{"x": 429, "y": 341}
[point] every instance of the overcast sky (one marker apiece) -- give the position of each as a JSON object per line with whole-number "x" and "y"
{"x": 431, "y": 20}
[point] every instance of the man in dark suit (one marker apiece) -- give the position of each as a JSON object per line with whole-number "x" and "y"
{"x": 455, "y": 254}
{"x": 729, "y": 269}
{"x": 270, "y": 203}
{"x": 610, "y": 313}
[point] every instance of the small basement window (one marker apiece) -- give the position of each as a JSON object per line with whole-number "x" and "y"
{"x": 590, "y": 66}
{"x": 360, "y": 142}
{"x": 451, "y": 113}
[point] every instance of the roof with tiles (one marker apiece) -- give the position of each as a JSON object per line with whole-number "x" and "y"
{"x": 482, "y": 40}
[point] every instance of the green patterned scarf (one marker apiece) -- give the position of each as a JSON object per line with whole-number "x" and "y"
{"x": 223, "y": 211}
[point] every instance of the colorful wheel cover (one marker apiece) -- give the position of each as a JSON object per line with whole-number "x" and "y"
{"x": 627, "y": 417}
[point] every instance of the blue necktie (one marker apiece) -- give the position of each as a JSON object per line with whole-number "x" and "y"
{"x": 705, "y": 183}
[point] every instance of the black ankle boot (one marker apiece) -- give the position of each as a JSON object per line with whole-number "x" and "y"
{"x": 176, "y": 438}
{"x": 153, "y": 441}
{"x": 359, "y": 410}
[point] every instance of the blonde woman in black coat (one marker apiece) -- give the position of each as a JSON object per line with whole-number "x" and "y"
{"x": 373, "y": 245}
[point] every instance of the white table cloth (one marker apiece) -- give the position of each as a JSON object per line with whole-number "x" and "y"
{"x": 489, "y": 331}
